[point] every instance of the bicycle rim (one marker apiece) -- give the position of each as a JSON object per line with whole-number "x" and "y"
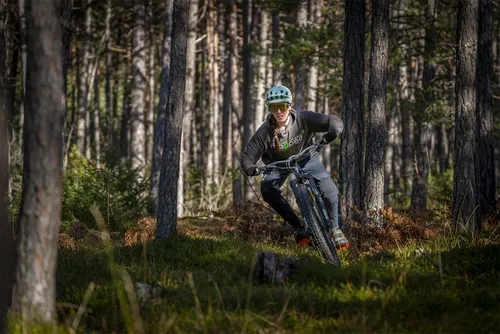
{"x": 311, "y": 212}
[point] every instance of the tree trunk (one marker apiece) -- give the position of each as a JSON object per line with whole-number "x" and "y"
{"x": 115, "y": 86}
{"x": 151, "y": 114}
{"x": 137, "y": 115}
{"x": 465, "y": 184}
{"x": 82, "y": 85}
{"x": 277, "y": 38}
{"x": 66, "y": 15}
{"x": 125, "y": 121}
{"x": 351, "y": 173}
{"x": 260, "y": 105}
{"x": 22, "y": 37}
{"x": 312, "y": 89}
{"x": 425, "y": 106}
{"x": 7, "y": 248}
{"x": 236, "y": 111}
{"x": 189, "y": 110}
{"x": 484, "y": 72}
{"x": 162, "y": 107}
{"x": 247, "y": 80}
{"x": 300, "y": 69}
{"x": 327, "y": 150}
{"x": 227, "y": 156}
{"x": 389, "y": 156}
{"x": 212, "y": 168}
{"x": 9, "y": 84}
{"x": 442, "y": 142}
{"x": 109, "y": 106}
{"x": 375, "y": 143}
{"x": 404, "y": 108}
{"x": 167, "y": 209}
{"x": 97, "y": 123}
{"x": 215, "y": 93}
{"x": 34, "y": 294}
{"x": 203, "y": 117}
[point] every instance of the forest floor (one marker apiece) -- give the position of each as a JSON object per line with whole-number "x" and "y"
{"x": 413, "y": 275}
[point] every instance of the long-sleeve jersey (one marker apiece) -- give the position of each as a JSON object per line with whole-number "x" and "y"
{"x": 298, "y": 135}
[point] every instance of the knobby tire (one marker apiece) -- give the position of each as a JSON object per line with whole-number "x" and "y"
{"x": 311, "y": 212}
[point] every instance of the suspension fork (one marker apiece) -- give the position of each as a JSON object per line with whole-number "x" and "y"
{"x": 293, "y": 183}
{"x": 319, "y": 199}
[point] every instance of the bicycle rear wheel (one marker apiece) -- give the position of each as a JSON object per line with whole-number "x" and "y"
{"x": 311, "y": 212}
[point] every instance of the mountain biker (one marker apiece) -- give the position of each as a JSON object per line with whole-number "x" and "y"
{"x": 287, "y": 132}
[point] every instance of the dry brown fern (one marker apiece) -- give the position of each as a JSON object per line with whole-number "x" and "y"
{"x": 65, "y": 241}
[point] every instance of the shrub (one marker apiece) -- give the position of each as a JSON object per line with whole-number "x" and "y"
{"x": 120, "y": 193}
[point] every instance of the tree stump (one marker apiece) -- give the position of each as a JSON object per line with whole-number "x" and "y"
{"x": 271, "y": 267}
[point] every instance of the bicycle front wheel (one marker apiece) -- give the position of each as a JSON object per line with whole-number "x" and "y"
{"x": 311, "y": 212}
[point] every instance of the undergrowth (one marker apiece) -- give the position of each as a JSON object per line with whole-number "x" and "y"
{"x": 413, "y": 275}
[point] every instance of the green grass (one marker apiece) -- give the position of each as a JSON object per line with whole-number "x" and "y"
{"x": 392, "y": 291}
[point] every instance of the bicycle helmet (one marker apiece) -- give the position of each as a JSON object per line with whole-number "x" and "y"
{"x": 278, "y": 94}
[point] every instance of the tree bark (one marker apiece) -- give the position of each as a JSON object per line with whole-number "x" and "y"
{"x": 125, "y": 120}
{"x": 138, "y": 106}
{"x": 83, "y": 84}
{"x": 374, "y": 163}
{"x": 227, "y": 156}
{"x": 327, "y": 150}
{"x": 247, "y": 80}
{"x": 7, "y": 248}
{"x": 189, "y": 110}
{"x": 425, "y": 106}
{"x": 443, "y": 151}
{"x": 300, "y": 69}
{"x": 276, "y": 37}
{"x": 151, "y": 114}
{"x": 109, "y": 106}
{"x": 22, "y": 37}
{"x": 162, "y": 107}
{"x": 484, "y": 72}
{"x": 465, "y": 185}
{"x": 389, "y": 155}
{"x": 115, "y": 85}
{"x": 167, "y": 209}
{"x": 97, "y": 123}
{"x": 351, "y": 173}
{"x": 236, "y": 110}
{"x": 312, "y": 87}
{"x": 40, "y": 213}
{"x": 404, "y": 93}
{"x": 260, "y": 105}
{"x": 66, "y": 16}
{"x": 215, "y": 93}
{"x": 212, "y": 166}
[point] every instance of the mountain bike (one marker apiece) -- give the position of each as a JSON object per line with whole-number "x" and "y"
{"x": 312, "y": 208}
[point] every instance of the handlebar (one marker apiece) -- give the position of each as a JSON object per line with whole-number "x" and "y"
{"x": 290, "y": 163}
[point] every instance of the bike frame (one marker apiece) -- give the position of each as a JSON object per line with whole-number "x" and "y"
{"x": 298, "y": 176}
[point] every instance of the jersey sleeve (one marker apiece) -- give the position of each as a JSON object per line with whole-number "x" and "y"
{"x": 253, "y": 151}
{"x": 331, "y": 124}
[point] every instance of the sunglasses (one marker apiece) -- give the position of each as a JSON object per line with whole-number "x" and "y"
{"x": 279, "y": 106}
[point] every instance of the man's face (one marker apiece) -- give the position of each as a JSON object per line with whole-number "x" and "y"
{"x": 280, "y": 112}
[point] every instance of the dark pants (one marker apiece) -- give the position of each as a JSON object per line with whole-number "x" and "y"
{"x": 271, "y": 191}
